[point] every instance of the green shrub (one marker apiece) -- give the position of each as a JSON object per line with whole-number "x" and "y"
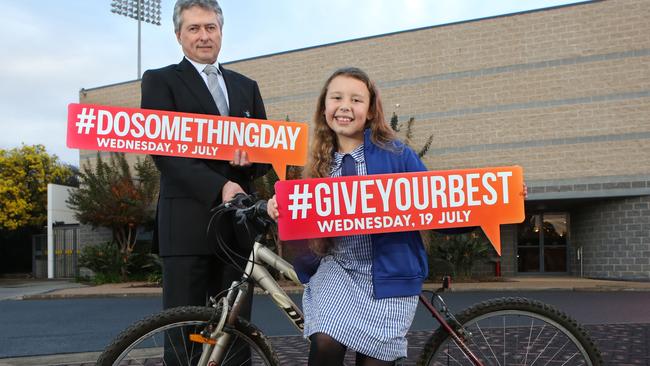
{"x": 438, "y": 268}
{"x": 106, "y": 262}
{"x": 103, "y": 260}
{"x": 102, "y": 278}
{"x": 462, "y": 251}
{"x": 153, "y": 269}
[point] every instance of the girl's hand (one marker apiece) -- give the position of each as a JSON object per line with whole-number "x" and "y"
{"x": 525, "y": 192}
{"x": 272, "y": 208}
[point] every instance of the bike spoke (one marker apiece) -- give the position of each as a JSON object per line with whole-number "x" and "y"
{"x": 544, "y": 349}
{"x": 513, "y": 332}
{"x": 487, "y": 344}
{"x": 164, "y": 347}
{"x": 556, "y": 353}
{"x": 171, "y": 342}
{"x": 187, "y": 356}
{"x": 504, "y": 341}
{"x": 479, "y": 348}
{"x": 571, "y": 358}
{"x": 530, "y": 336}
{"x": 536, "y": 337}
{"x": 452, "y": 357}
{"x": 241, "y": 349}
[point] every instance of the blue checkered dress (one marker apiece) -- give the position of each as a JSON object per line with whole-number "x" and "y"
{"x": 338, "y": 300}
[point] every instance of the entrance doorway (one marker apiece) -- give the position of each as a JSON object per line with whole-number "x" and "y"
{"x": 542, "y": 243}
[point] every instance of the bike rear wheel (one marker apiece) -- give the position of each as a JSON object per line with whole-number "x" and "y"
{"x": 163, "y": 339}
{"x": 514, "y": 331}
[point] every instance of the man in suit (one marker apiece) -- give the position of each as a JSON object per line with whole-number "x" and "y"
{"x": 189, "y": 187}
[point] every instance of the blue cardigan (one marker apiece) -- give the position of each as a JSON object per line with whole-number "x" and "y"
{"x": 399, "y": 261}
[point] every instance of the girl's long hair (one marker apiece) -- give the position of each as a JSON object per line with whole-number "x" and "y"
{"x": 324, "y": 141}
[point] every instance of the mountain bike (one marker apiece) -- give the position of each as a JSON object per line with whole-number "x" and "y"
{"x": 504, "y": 331}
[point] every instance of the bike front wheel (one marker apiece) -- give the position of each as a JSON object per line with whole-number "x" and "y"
{"x": 163, "y": 339}
{"x": 513, "y": 331}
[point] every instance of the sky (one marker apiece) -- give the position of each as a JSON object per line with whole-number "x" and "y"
{"x": 52, "y": 49}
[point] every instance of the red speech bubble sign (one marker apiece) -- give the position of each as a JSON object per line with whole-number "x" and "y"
{"x": 326, "y": 207}
{"x": 147, "y": 131}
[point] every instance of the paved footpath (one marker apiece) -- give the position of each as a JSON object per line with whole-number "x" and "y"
{"x": 621, "y": 344}
{"x": 73, "y": 290}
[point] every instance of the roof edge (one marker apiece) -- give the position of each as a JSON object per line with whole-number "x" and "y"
{"x": 578, "y": 3}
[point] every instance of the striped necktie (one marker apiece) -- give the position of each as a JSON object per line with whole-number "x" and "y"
{"x": 215, "y": 89}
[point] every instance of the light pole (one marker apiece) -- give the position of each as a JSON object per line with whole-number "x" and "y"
{"x": 142, "y": 10}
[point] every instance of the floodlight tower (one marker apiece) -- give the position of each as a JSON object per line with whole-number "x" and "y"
{"x": 142, "y": 10}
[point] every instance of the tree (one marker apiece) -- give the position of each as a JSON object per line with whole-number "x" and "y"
{"x": 408, "y": 134}
{"x": 24, "y": 175}
{"x": 73, "y": 180}
{"x": 110, "y": 196}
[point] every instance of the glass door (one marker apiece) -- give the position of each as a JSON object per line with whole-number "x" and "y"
{"x": 554, "y": 242}
{"x": 542, "y": 243}
{"x": 528, "y": 244}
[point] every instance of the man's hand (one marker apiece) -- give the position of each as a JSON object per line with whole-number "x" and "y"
{"x": 229, "y": 190}
{"x": 272, "y": 208}
{"x": 240, "y": 159}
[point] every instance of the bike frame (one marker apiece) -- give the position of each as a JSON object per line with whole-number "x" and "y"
{"x": 218, "y": 342}
{"x": 260, "y": 257}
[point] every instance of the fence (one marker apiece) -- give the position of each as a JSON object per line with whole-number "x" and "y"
{"x": 65, "y": 239}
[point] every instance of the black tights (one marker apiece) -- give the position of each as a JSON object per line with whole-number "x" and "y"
{"x": 327, "y": 351}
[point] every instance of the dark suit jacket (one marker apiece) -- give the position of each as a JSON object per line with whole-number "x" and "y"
{"x": 190, "y": 187}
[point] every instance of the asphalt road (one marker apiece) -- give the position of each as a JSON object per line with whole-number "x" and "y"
{"x": 41, "y": 327}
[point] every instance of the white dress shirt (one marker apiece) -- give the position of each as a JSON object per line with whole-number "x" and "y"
{"x": 199, "y": 67}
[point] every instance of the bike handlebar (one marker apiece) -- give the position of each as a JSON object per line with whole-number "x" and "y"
{"x": 248, "y": 208}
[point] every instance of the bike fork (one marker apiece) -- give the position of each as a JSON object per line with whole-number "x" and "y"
{"x": 450, "y": 330}
{"x": 216, "y": 344}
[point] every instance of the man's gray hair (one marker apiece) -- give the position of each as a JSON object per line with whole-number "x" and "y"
{"x": 182, "y": 5}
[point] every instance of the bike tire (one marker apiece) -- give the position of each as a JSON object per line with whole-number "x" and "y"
{"x": 514, "y": 331}
{"x": 142, "y": 343}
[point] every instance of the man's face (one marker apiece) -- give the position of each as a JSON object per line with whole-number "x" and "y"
{"x": 200, "y": 35}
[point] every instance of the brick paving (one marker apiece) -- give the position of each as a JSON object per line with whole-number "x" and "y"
{"x": 620, "y": 344}
{"x": 623, "y": 344}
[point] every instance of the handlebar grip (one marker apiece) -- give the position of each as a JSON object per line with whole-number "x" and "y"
{"x": 261, "y": 210}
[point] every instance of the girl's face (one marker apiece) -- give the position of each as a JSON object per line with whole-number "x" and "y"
{"x": 346, "y": 108}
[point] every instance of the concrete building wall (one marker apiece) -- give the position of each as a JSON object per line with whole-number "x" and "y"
{"x": 563, "y": 92}
{"x": 508, "y": 251}
{"x": 125, "y": 94}
{"x": 614, "y": 234}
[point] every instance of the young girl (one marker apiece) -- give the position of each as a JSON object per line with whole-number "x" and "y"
{"x": 363, "y": 289}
